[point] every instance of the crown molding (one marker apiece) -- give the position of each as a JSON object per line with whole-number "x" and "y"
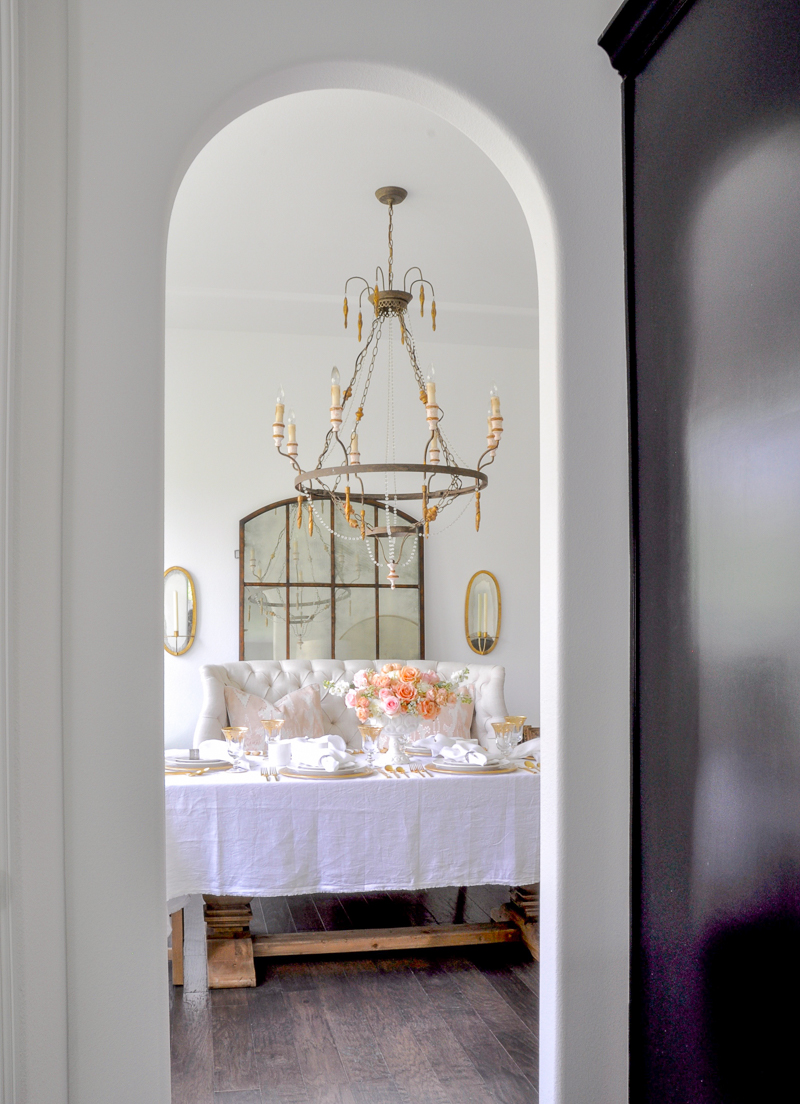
{"x": 638, "y": 29}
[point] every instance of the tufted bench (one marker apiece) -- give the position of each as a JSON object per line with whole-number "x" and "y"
{"x": 271, "y": 679}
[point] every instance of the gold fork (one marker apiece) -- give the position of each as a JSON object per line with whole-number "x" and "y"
{"x": 265, "y": 772}
{"x": 416, "y": 768}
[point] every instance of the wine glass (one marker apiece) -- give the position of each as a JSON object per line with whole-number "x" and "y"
{"x": 503, "y": 737}
{"x": 369, "y": 736}
{"x": 516, "y": 724}
{"x": 272, "y": 729}
{"x": 234, "y": 738}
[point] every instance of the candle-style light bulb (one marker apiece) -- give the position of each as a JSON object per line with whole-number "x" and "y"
{"x": 494, "y": 399}
{"x": 281, "y": 395}
{"x": 336, "y": 391}
{"x": 279, "y": 405}
{"x": 291, "y": 429}
{"x": 430, "y": 385}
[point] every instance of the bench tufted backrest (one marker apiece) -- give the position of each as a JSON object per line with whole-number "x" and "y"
{"x": 271, "y": 679}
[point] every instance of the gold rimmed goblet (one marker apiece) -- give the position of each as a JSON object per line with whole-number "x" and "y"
{"x": 516, "y": 725}
{"x": 369, "y": 737}
{"x": 234, "y": 737}
{"x": 503, "y": 737}
{"x": 272, "y": 728}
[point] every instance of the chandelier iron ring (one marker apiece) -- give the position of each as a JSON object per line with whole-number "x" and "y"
{"x": 304, "y": 482}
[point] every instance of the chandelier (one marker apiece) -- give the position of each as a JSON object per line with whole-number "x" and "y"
{"x": 436, "y": 482}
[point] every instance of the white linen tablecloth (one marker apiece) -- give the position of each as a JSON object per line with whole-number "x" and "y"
{"x": 235, "y": 834}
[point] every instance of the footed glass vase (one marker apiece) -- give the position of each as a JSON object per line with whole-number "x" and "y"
{"x": 398, "y": 729}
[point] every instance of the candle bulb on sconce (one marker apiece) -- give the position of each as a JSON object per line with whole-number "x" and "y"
{"x": 291, "y": 434}
{"x": 336, "y": 401}
{"x": 495, "y": 418}
{"x": 430, "y": 385}
{"x": 277, "y": 427}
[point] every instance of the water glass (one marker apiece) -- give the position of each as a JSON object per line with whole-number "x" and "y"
{"x": 234, "y": 737}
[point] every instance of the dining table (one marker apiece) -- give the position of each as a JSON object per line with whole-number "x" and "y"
{"x": 232, "y": 836}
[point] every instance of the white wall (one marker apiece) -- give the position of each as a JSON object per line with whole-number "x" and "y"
{"x": 220, "y": 464}
{"x": 115, "y": 99}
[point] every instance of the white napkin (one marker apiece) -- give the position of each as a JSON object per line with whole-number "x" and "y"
{"x": 214, "y": 749}
{"x": 325, "y": 752}
{"x": 466, "y": 751}
{"x": 528, "y": 750}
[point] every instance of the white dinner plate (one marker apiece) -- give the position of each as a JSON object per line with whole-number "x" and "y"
{"x": 346, "y": 768}
{"x": 450, "y": 766}
{"x": 315, "y": 772}
{"x": 174, "y": 761}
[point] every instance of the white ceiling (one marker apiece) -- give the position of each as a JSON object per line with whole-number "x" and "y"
{"x": 279, "y": 209}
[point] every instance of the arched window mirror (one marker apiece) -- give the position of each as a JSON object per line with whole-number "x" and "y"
{"x": 318, "y": 595}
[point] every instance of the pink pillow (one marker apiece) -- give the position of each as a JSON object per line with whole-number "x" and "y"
{"x": 300, "y": 710}
{"x": 456, "y": 720}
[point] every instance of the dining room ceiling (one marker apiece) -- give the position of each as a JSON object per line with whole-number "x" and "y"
{"x": 278, "y": 209}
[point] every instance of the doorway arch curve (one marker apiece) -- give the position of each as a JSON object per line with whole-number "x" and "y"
{"x": 509, "y": 157}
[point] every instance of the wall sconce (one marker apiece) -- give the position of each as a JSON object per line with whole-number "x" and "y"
{"x": 180, "y": 611}
{"x": 482, "y": 612}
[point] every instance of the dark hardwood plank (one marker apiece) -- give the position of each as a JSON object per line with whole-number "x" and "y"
{"x": 235, "y": 1066}
{"x": 191, "y": 1049}
{"x": 277, "y": 915}
{"x": 277, "y": 1062}
{"x": 304, "y": 913}
{"x": 350, "y": 1022}
{"x": 506, "y": 974}
{"x": 319, "y": 1059}
{"x": 332, "y": 912}
{"x": 442, "y": 904}
{"x": 487, "y": 897}
{"x": 501, "y": 1074}
{"x": 507, "y": 1027}
{"x": 237, "y": 1098}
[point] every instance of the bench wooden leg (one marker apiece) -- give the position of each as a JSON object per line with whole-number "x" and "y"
{"x": 229, "y": 943}
{"x": 522, "y": 910}
{"x": 177, "y": 947}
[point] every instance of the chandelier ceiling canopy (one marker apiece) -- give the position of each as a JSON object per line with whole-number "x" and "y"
{"x": 436, "y": 481}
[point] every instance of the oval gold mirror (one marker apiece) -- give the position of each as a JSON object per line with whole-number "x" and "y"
{"x": 180, "y": 611}
{"x": 482, "y": 612}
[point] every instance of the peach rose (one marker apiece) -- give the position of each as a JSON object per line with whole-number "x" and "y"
{"x": 363, "y": 715}
{"x": 441, "y": 697}
{"x": 427, "y": 709}
{"x": 388, "y": 667}
{"x": 451, "y": 699}
{"x": 409, "y": 674}
{"x": 431, "y": 694}
{"x": 382, "y": 681}
{"x": 406, "y": 692}
{"x": 362, "y": 702}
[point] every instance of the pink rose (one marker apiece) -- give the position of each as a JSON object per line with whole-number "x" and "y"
{"x": 430, "y": 694}
{"x": 360, "y": 680}
{"x": 350, "y": 699}
{"x": 385, "y": 693}
{"x": 430, "y": 676}
{"x": 451, "y": 699}
{"x": 390, "y": 706}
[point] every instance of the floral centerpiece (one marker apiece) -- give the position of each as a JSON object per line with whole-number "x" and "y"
{"x": 400, "y": 697}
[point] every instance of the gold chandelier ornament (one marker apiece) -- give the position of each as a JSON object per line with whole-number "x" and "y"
{"x": 351, "y": 485}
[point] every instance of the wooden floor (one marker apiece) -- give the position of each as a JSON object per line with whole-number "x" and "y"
{"x": 455, "y": 1027}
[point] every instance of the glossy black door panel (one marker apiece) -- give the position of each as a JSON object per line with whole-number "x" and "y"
{"x": 712, "y": 105}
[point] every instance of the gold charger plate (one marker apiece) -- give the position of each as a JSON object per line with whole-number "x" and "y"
{"x": 290, "y": 772}
{"x": 468, "y": 773}
{"x": 199, "y": 770}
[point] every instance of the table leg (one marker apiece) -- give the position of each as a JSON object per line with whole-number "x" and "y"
{"x": 229, "y": 943}
{"x": 177, "y": 947}
{"x": 523, "y": 910}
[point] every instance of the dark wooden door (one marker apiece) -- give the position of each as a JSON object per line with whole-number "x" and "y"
{"x": 711, "y": 100}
